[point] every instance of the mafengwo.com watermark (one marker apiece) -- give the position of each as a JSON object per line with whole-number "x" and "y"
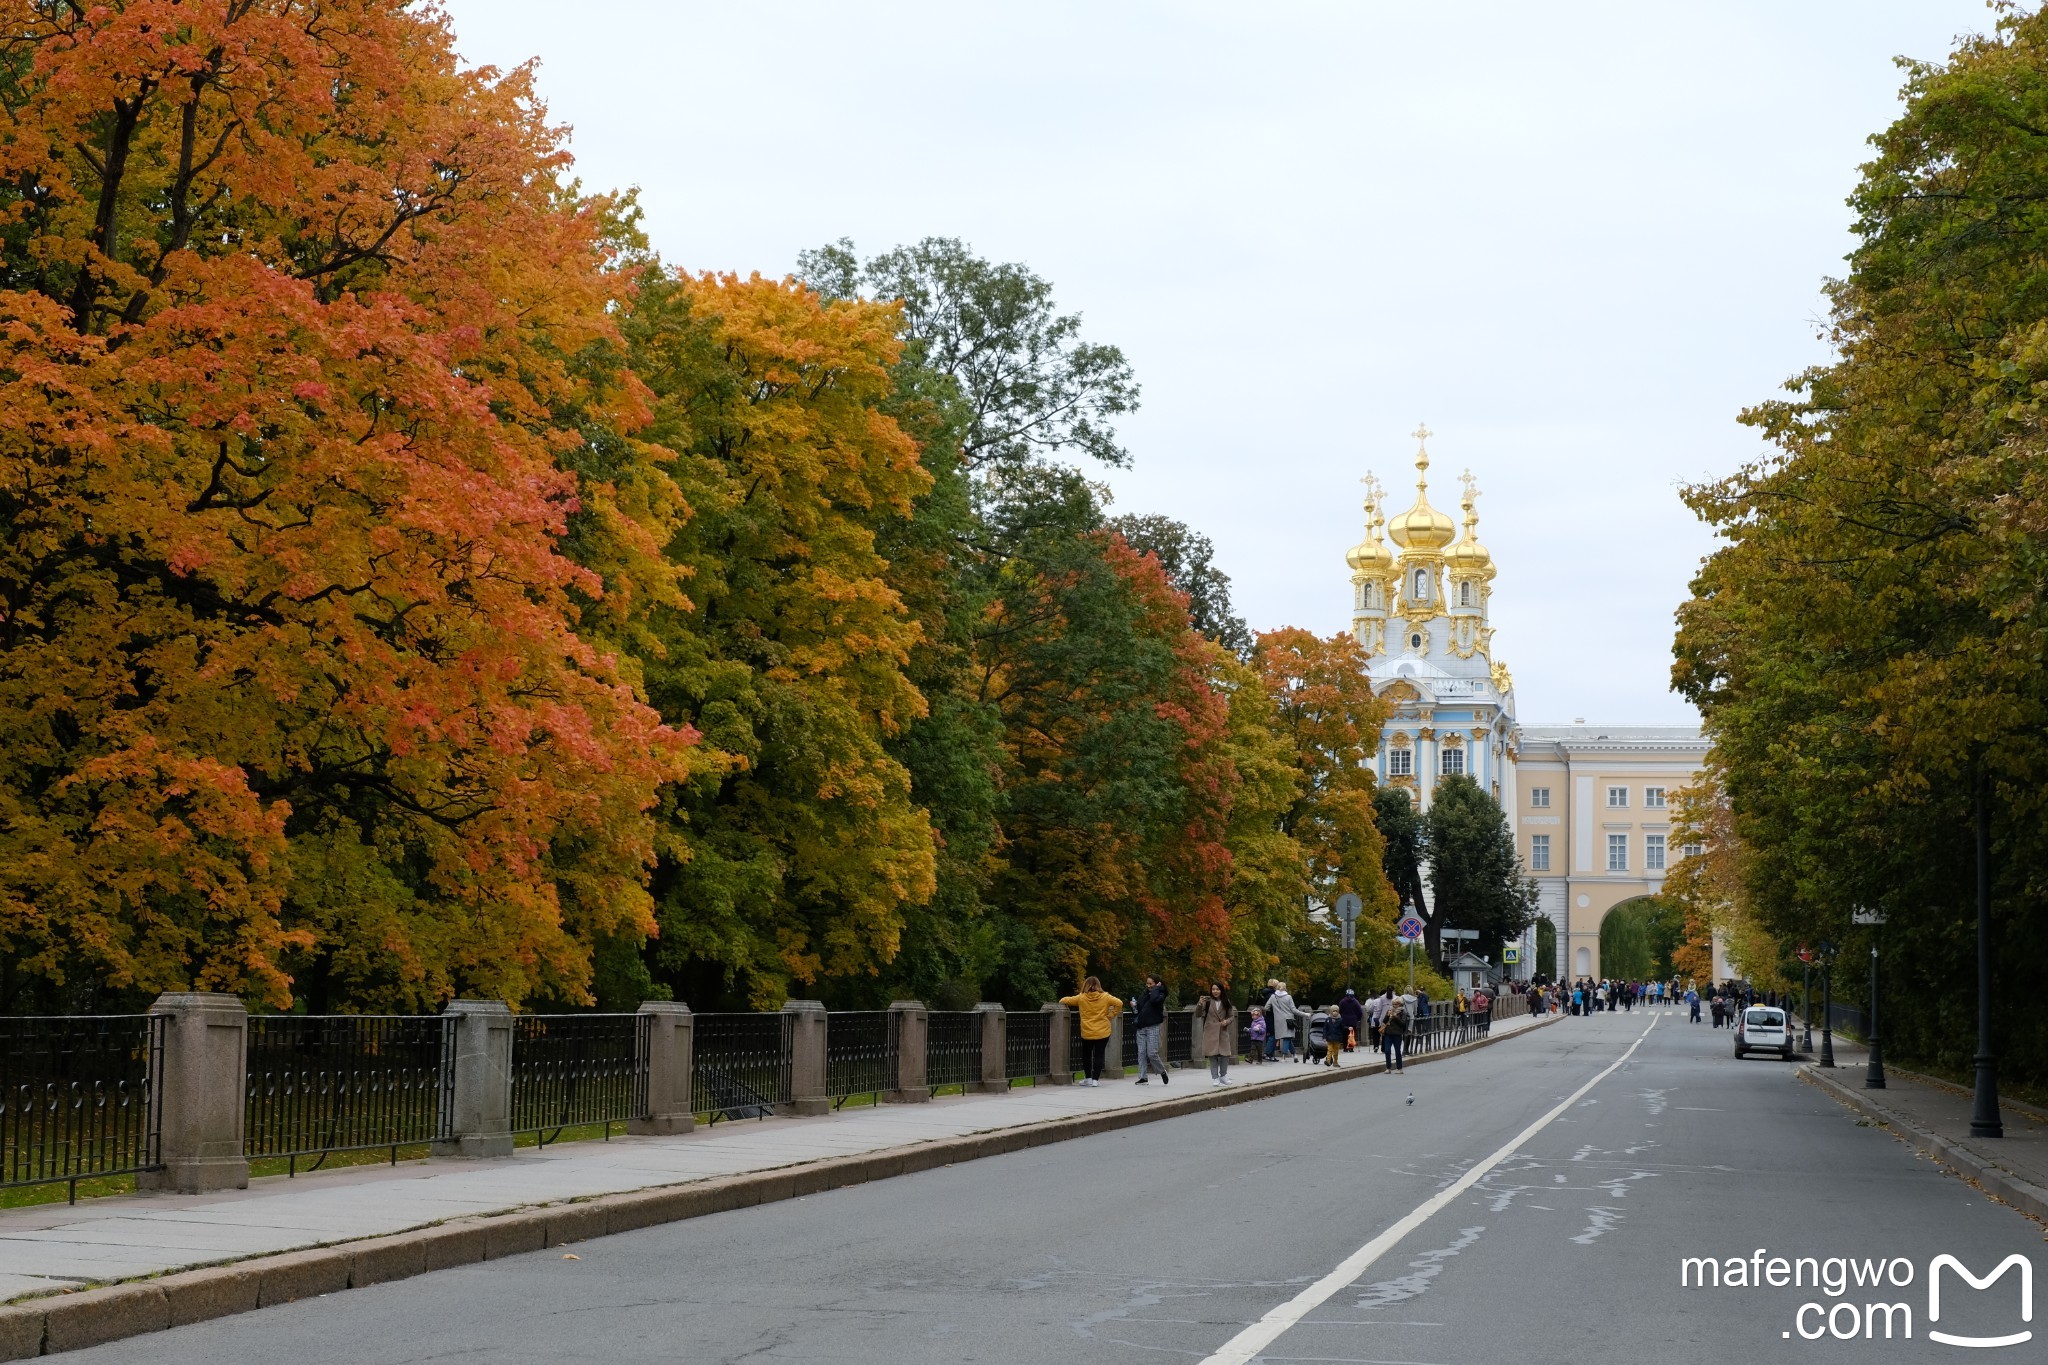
{"x": 1862, "y": 1298}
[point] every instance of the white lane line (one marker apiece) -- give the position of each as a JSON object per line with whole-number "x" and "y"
{"x": 1240, "y": 1349}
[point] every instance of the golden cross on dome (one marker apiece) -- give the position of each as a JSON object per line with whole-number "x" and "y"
{"x": 1471, "y": 485}
{"x": 1422, "y": 432}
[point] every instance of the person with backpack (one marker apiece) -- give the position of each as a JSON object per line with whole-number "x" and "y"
{"x": 1394, "y": 1032}
{"x": 1098, "y": 1007}
{"x": 1149, "y": 1018}
{"x": 1216, "y": 1023}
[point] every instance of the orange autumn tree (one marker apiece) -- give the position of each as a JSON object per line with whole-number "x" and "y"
{"x": 1325, "y": 709}
{"x": 292, "y": 699}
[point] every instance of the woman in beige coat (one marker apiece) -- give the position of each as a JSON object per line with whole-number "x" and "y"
{"x": 1217, "y": 1019}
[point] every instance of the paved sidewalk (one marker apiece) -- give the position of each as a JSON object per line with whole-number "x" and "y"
{"x": 59, "y": 1247}
{"x": 2015, "y": 1167}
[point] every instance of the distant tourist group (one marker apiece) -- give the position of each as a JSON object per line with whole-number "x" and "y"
{"x": 1271, "y": 1026}
{"x": 1586, "y": 997}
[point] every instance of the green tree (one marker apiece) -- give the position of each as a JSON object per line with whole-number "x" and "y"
{"x": 1476, "y": 880}
{"x": 1865, "y": 647}
{"x": 1403, "y": 834}
{"x": 1190, "y": 564}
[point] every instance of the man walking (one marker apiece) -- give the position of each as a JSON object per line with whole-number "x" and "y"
{"x": 1150, "y": 1011}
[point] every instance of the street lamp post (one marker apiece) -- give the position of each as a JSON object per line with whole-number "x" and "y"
{"x": 1873, "y": 1075}
{"x": 1984, "y": 1120}
{"x": 1827, "y": 1002}
{"x": 1806, "y": 1002}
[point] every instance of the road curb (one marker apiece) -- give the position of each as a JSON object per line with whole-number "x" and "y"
{"x": 2023, "y": 1195}
{"x": 90, "y": 1317}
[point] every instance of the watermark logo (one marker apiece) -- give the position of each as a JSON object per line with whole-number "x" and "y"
{"x": 1848, "y": 1318}
{"x": 1934, "y": 1269}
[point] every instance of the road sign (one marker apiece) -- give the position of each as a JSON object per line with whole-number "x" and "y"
{"x": 1348, "y": 906}
{"x": 1410, "y": 928}
{"x": 1868, "y": 917}
{"x": 1511, "y": 954}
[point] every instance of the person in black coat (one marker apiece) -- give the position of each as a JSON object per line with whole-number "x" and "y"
{"x": 1150, "y": 1017}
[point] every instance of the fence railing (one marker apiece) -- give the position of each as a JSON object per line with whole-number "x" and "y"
{"x": 77, "y": 1095}
{"x": 860, "y": 1054}
{"x": 952, "y": 1057}
{"x": 740, "y": 1065}
{"x": 74, "y": 1097}
{"x": 318, "y": 1084}
{"x": 1028, "y": 1045}
{"x": 573, "y": 1070}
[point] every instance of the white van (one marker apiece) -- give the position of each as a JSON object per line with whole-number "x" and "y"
{"x": 1763, "y": 1028}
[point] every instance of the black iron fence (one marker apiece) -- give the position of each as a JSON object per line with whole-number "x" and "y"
{"x": 1446, "y": 1026}
{"x": 74, "y": 1097}
{"x": 952, "y": 1051}
{"x": 860, "y": 1054}
{"x": 1028, "y": 1045}
{"x": 1180, "y": 1038}
{"x": 572, "y": 1070}
{"x": 739, "y": 1065}
{"x": 341, "y": 1083}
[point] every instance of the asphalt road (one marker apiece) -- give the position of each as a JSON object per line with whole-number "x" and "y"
{"x": 1170, "y": 1241}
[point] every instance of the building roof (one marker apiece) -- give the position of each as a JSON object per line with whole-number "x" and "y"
{"x": 1678, "y": 736}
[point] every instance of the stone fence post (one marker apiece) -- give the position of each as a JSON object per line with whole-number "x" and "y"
{"x": 480, "y": 1105}
{"x": 807, "y": 1057}
{"x": 1059, "y": 1065}
{"x": 671, "y": 1034}
{"x": 912, "y": 1026}
{"x": 196, "y": 1099}
{"x": 1113, "y": 1054}
{"x": 995, "y": 1049}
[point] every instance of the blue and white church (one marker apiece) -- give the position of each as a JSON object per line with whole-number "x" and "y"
{"x": 1419, "y": 608}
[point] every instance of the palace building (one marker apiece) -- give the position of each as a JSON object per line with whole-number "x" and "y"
{"x": 1588, "y": 804}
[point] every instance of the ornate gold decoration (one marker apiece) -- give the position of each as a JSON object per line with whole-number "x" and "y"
{"x": 1503, "y": 681}
{"x": 1422, "y": 530}
{"x": 1426, "y": 733}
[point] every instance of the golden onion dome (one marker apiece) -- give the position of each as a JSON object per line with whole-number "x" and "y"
{"x": 1371, "y": 555}
{"x": 1468, "y": 555}
{"x": 1422, "y": 527}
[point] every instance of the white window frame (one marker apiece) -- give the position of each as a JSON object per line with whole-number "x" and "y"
{"x": 1421, "y": 582}
{"x": 1450, "y": 751}
{"x": 1539, "y": 853}
{"x": 1539, "y": 798}
{"x": 1653, "y": 798}
{"x": 1617, "y": 798}
{"x": 1400, "y": 761}
{"x": 1691, "y": 850}
{"x": 1617, "y": 844}
{"x": 1465, "y": 594}
{"x": 1654, "y": 849}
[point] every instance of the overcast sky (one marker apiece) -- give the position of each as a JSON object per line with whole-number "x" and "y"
{"x": 1574, "y": 238}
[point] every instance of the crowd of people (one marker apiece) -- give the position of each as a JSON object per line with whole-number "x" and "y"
{"x": 1585, "y": 997}
{"x": 1272, "y": 1027}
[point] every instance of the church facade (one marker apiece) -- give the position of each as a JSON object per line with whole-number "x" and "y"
{"x": 1588, "y": 805}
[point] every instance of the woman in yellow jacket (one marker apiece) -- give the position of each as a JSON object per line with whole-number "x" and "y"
{"x": 1098, "y": 1007}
